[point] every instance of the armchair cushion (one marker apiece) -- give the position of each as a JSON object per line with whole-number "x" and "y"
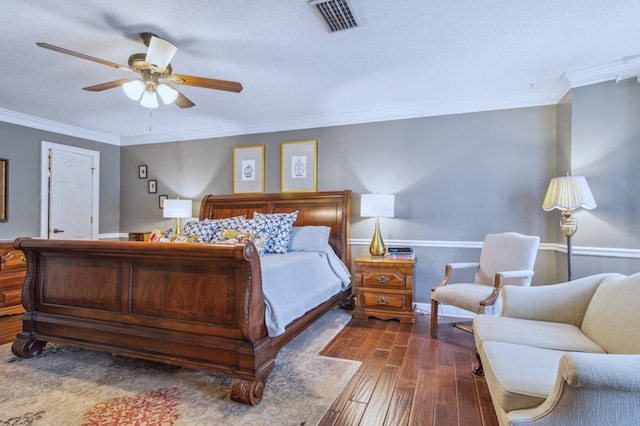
{"x": 465, "y": 296}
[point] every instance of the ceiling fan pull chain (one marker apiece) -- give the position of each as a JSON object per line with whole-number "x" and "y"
{"x": 150, "y": 118}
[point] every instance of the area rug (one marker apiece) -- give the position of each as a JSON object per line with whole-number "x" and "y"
{"x": 70, "y": 386}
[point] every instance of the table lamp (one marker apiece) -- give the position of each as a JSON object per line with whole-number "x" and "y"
{"x": 377, "y": 205}
{"x": 177, "y": 209}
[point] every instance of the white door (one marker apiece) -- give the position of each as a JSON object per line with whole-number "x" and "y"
{"x": 71, "y": 193}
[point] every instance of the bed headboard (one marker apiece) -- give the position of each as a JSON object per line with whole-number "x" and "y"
{"x": 331, "y": 209}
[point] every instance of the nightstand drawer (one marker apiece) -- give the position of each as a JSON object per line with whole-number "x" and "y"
{"x": 383, "y": 278}
{"x": 10, "y": 298}
{"x": 388, "y": 302}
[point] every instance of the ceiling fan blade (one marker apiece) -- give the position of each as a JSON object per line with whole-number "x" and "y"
{"x": 182, "y": 101}
{"x": 82, "y": 56}
{"x": 108, "y": 85}
{"x": 207, "y": 83}
{"x": 160, "y": 53}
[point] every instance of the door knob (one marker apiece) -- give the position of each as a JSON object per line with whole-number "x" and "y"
{"x": 56, "y": 230}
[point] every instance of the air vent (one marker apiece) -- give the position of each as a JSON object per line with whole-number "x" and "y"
{"x": 335, "y": 14}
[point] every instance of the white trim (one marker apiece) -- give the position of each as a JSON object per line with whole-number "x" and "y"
{"x": 561, "y": 248}
{"x": 56, "y": 127}
{"x": 44, "y": 186}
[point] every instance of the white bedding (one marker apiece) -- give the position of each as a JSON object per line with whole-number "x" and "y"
{"x": 295, "y": 282}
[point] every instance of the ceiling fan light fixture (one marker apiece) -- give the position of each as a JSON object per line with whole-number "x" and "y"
{"x": 160, "y": 53}
{"x": 167, "y": 93}
{"x": 133, "y": 89}
{"x": 149, "y": 100}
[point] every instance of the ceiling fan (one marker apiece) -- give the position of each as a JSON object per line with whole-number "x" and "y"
{"x": 155, "y": 74}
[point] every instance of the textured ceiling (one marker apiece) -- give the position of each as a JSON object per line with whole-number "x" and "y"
{"x": 407, "y": 58}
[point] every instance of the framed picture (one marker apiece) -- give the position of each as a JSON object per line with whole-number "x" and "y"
{"x": 161, "y": 199}
{"x": 299, "y": 165}
{"x": 142, "y": 171}
{"x": 4, "y": 189}
{"x": 248, "y": 169}
{"x": 153, "y": 186}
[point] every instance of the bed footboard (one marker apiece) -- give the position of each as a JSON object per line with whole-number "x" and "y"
{"x": 192, "y": 305}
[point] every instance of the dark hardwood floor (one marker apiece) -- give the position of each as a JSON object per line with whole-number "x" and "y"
{"x": 408, "y": 378}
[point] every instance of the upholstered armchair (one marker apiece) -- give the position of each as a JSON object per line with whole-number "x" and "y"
{"x": 505, "y": 259}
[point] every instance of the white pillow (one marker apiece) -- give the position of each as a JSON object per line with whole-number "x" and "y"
{"x": 309, "y": 238}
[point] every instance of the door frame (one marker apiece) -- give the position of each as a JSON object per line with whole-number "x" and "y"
{"x": 44, "y": 186}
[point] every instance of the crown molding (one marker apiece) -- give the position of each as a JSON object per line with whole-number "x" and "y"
{"x": 56, "y": 127}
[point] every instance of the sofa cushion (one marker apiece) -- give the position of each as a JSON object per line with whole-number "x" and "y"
{"x": 519, "y": 376}
{"x": 540, "y": 334}
{"x": 613, "y": 312}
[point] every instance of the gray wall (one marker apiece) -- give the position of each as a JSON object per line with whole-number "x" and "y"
{"x": 22, "y": 146}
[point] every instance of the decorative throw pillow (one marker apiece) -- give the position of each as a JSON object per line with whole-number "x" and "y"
{"x": 186, "y": 239}
{"x": 227, "y": 223}
{"x": 239, "y": 237}
{"x": 278, "y": 241}
{"x": 309, "y": 238}
{"x": 205, "y": 229}
{"x": 161, "y": 236}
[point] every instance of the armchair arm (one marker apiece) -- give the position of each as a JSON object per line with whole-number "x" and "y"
{"x": 497, "y": 283}
{"x": 455, "y": 266}
{"x": 565, "y": 302}
{"x": 590, "y": 389}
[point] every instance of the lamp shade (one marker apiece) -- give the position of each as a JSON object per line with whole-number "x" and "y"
{"x": 160, "y": 53}
{"x": 133, "y": 89}
{"x": 167, "y": 93}
{"x": 177, "y": 208}
{"x": 568, "y": 193}
{"x": 377, "y": 205}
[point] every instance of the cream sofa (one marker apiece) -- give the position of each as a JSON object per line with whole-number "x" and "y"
{"x": 565, "y": 354}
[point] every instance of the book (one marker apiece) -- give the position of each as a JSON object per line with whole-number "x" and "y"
{"x": 399, "y": 249}
{"x": 401, "y": 255}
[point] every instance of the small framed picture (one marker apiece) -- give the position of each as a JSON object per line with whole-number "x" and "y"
{"x": 142, "y": 171}
{"x": 248, "y": 169}
{"x": 161, "y": 199}
{"x": 153, "y": 186}
{"x": 4, "y": 189}
{"x": 299, "y": 165}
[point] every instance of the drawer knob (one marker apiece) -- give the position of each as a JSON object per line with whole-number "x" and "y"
{"x": 382, "y": 279}
{"x": 383, "y": 301}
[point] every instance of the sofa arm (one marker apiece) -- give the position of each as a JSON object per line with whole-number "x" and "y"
{"x": 591, "y": 389}
{"x": 565, "y": 302}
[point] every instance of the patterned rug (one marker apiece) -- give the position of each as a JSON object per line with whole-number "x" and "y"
{"x": 70, "y": 386}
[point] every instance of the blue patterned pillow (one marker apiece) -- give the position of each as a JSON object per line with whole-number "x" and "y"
{"x": 254, "y": 227}
{"x": 205, "y": 229}
{"x": 278, "y": 241}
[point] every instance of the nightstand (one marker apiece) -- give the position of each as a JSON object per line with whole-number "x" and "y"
{"x": 384, "y": 288}
{"x": 139, "y": 236}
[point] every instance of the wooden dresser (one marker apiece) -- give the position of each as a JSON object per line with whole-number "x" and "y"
{"x": 12, "y": 273}
{"x": 384, "y": 288}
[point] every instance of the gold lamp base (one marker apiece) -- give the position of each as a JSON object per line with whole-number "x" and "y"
{"x": 377, "y": 247}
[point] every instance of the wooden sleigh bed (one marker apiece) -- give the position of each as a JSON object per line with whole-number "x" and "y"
{"x": 192, "y": 305}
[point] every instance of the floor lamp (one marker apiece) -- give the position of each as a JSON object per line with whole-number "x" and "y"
{"x": 568, "y": 193}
